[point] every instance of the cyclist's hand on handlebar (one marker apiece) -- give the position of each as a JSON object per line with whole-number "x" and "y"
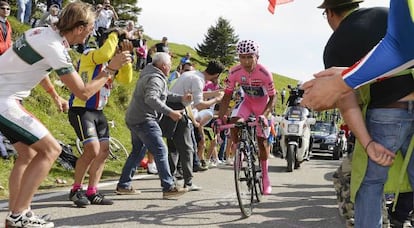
{"x": 263, "y": 120}
{"x": 218, "y": 122}
{"x": 216, "y": 125}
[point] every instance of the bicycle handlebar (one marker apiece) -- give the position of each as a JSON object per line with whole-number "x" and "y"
{"x": 252, "y": 121}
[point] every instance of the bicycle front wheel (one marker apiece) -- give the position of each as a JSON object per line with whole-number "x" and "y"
{"x": 244, "y": 181}
{"x": 258, "y": 176}
{"x": 117, "y": 150}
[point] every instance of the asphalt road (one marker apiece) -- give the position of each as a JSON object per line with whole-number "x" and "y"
{"x": 304, "y": 198}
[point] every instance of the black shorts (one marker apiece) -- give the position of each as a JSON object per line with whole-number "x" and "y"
{"x": 88, "y": 124}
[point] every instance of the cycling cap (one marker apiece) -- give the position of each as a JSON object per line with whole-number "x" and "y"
{"x": 247, "y": 47}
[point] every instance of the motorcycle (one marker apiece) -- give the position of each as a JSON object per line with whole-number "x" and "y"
{"x": 296, "y": 139}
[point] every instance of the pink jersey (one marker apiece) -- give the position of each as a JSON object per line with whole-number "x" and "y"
{"x": 256, "y": 85}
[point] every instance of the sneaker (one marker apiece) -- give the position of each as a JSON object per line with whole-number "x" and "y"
{"x": 192, "y": 188}
{"x": 204, "y": 163}
{"x": 179, "y": 176}
{"x": 79, "y": 198}
{"x": 213, "y": 163}
{"x": 199, "y": 168}
{"x": 99, "y": 199}
{"x": 127, "y": 191}
{"x": 394, "y": 223}
{"x": 27, "y": 219}
{"x": 230, "y": 161}
{"x": 152, "y": 168}
{"x": 173, "y": 192}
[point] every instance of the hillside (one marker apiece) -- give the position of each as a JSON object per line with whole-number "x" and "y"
{"x": 43, "y": 108}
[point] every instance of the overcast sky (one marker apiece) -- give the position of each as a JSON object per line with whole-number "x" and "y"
{"x": 290, "y": 42}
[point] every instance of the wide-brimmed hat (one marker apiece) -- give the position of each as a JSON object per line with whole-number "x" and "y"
{"x": 330, "y": 4}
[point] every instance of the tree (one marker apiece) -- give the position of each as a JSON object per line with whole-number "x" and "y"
{"x": 219, "y": 43}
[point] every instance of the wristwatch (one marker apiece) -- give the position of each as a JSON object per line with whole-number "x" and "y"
{"x": 109, "y": 73}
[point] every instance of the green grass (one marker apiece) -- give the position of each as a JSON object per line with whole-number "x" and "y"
{"x": 44, "y": 109}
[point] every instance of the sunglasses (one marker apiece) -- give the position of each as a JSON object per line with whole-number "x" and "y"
{"x": 5, "y": 8}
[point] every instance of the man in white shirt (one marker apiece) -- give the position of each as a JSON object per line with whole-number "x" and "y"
{"x": 105, "y": 15}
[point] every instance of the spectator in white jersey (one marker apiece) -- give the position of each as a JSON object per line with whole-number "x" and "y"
{"x": 23, "y": 66}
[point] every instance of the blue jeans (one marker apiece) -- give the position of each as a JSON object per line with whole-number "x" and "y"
{"x": 393, "y": 128}
{"x": 24, "y": 10}
{"x": 147, "y": 135}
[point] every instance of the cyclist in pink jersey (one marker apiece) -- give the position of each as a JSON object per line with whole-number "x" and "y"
{"x": 257, "y": 84}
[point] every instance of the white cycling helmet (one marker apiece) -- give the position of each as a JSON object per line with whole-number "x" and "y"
{"x": 247, "y": 47}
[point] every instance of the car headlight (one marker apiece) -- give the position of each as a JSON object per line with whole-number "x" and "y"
{"x": 293, "y": 128}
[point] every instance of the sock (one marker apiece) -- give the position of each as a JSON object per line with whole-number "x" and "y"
{"x": 15, "y": 216}
{"x": 91, "y": 190}
{"x": 76, "y": 186}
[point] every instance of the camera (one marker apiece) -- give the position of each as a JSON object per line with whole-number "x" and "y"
{"x": 135, "y": 42}
{"x": 295, "y": 95}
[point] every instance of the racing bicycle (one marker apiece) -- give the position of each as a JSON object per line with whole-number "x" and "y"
{"x": 246, "y": 166}
{"x": 117, "y": 150}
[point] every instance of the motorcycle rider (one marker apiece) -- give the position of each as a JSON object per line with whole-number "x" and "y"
{"x": 259, "y": 98}
{"x": 296, "y": 115}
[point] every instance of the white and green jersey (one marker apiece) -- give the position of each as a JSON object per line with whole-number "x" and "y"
{"x": 33, "y": 56}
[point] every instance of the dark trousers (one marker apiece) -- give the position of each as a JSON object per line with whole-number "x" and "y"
{"x": 404, "y": 207}
{"x": 181, "y": 148}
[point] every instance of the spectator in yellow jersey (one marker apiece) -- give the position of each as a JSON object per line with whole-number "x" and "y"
{"x": 89, "y": 122}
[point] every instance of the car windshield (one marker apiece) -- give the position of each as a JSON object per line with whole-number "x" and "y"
{"x": 323, "y": 127}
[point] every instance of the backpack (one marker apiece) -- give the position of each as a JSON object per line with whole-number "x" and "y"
{"x": 66, "y": 158}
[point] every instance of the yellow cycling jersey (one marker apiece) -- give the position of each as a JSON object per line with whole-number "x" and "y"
{"x": 91, "y": 63}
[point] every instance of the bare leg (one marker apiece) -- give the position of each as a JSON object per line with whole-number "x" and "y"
{"x": 90, "y": 152}
{"x": 97, "y": 166}
{"x": 48, "y": 149}
{"x": 26, "y": 154}
{"x": 201, "y": 146}
{"x": 150, "y": 158}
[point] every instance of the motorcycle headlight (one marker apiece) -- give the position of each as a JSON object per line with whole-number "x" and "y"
{"x": 293, "y": 128}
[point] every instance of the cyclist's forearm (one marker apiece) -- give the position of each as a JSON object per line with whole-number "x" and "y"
{"x": 224, "y": 106}
{"x": 269, "y": 106}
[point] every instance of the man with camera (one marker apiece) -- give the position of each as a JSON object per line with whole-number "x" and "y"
{"x": 105, "y": 14}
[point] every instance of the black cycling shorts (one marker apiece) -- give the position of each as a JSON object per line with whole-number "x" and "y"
{"x": 88, "y": 124}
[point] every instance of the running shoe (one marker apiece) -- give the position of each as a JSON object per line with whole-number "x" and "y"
{"x": 27, "y": 219}
{"x": 99, "y": 199}
{"x": 127, "y": 191}
{"x": 79, "y": 198}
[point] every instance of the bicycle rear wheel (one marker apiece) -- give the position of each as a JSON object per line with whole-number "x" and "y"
{"x": 244, "y": 181}
{"x": 117, "y": 150}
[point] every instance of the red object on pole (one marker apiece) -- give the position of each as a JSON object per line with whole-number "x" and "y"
{"x": 273, "y": 3}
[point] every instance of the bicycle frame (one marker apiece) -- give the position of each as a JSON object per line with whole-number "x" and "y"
{"x": 246, "y": 165}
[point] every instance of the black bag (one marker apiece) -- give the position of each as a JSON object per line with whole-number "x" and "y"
{"x": 167, "y": 124}
{"x": 67, "y": 159}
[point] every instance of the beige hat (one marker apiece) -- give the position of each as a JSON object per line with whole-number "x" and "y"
{"x": 330, "y": 4}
